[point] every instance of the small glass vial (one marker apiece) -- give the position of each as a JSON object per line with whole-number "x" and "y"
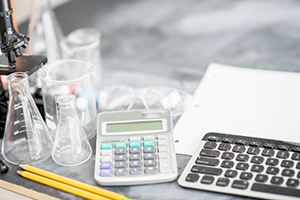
{"x": 71, "y": 146}
{"x": 26, "y": 138}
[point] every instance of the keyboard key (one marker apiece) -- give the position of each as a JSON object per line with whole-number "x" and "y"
{"x": 206, "y": 170}
{"x": 288, "y": 172}
{"x": 287, "y": 163}
{"x": 222, "y": 182}
{"x": 207, "y": 180}
{"x": 298, "y": 165}
{"x": 210, "y": 145}
{"x": 277, "y": 180}
{"x": 242, "y": 142}
{"x": 209, "y": 153}
{"x": 275, "y": 190}
{"x": 213, "y": 138}
{"x": 283, "y": 154}
{"x": 227, "y": 164}
{"x": 255, "y": 144}
{"x": 292, "y": 182}
{"x": 224, "y": 147}
{"x": 238, "y": 148}
{"x": 296, "y": 156}
{"x": 272, "y": 161}
{"x": 272, "y": 170}
{"x": 298, "y": 175}
{"x": 257, "y": 159}
{"x": 269, "y": 145}
{"x": 207, "y": 161}
{"x": 257, "y": 168}
{"x": 296, "y": 149}
{"x": 227, "y": 155}
{"x": 242, "y": 166}
{"x": 268, "y": 152}
{"x": 246, "y": 176}
{"x": 242, "y": 157}
{"x": 230, "y": 173}
{"x": 240, "y": 184}
{"x": 283, "y": 147}
{"x": 227, "y": 140}
{"x": 253, "y": 150}
{"x": 261, "y": 178}
{"x": 192, "y": 178}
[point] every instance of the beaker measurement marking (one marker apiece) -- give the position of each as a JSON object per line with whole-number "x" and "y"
{"x": 18, "y": 122}
{"x": 18, "y": 106}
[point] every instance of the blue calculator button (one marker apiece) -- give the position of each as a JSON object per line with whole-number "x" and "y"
{"x": 149, "y": 143}
{"x": 105, "y": 172}
{"x": 120, "y": 145}
{"x": 133, "y": 144}
{"x": 106, "y": 165}
{"x": 107, "y": 145}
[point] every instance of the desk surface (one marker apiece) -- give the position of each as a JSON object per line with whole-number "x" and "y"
{"x": 170, "y": 43}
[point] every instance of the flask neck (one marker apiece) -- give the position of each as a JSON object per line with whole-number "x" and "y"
{"x": 18, "y": 82}
{"x": 66, "y": 105}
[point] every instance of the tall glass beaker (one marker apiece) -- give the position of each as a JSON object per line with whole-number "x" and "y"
{"x": 26, "y": 138}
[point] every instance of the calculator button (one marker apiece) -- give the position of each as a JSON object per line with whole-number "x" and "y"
{"x": 164, "y": 155}
{"x": 253, "y": 150}
{"x": 121, "y": 172}
{"x": 224, "y": 147}
{"x": 107, "y": 145}
{"x": 283, "y": 154}
{"x": 257, "y": 168}
{"x": 227, "y": 155}
{"x": 106, "y": 165}
{"x": 246, "y": 176}
{"x": 106, "y": 152}
{"x": 149, "y": 156}
{"x": 288, "y": 172}
{"x": 163, "y": 143}
{"x": 222, "y": 182}
{"x": 135, "y": 150}
{"x": 149, "y": 143}
{"x": 162, "y": 137}
{"x": 165, "y": 165}
{"x": 135, "y": 157}
{"x": 296, "y": 156}
{"x": 238, "y": 148}
{"x": 257, "y": 159}
{"x": 120, "y": 158}
{"x": 192, "y": 178}
{"x": 209, "y": 153}
{"x": 261, "y": 178}
{"x": 268, "y": 152}
{"x": 150, "y": 170}
{"x": 230, "y": 173}
{"x": 106, "y": 159}
{"x": 148, "y": 138}
{"x": 120, "y": 151}
{"x": 272, "y": 161}
{"x": 120, "y": 164}
{"x": 242, "y": 157}
{"x": 207, "y": 161}
{"x": 149, "y": 149}
{"x": 120, "y": 145}
{"x": 210, "y": 145}
{"x": 207, "y": 180}
{"x": 134, "y": 138}
{"x": 242, "y": 166}
{"x": 277, "y": 180}
{"x": 162, "y": 149}
{"x": 272, "y": 170}
{"x": 135, "y": 163}
{"x": 227, "y": 164}
{"x": 150, "y": 163}
{"x": 207, "y": 170}
{"x": 287, "y": 163}
{"x": 133, "y": 144}
{"x": 105, "y": 172}
{"x": 135, "y": 171}
{"x": 292, "y": 182}
{"x": 255, "y": 144}
{"x": 240, "y": 184}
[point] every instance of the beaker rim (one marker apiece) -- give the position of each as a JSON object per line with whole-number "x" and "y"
{"x": 22, "y": 77}
{"x": 42, "y": 71}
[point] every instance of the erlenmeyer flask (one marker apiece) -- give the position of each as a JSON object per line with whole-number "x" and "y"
{"x": 26, "y": 138}
{"x": 71, "y": 146}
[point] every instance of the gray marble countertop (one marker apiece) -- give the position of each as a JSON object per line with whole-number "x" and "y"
{"x": 170, "y": 43}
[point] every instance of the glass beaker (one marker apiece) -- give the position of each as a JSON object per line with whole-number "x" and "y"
{"x": 26, "y": 138}
{"x": 69, "y": 77}
{"x": 84, "y": 44}
{"x": 71, "y": 146}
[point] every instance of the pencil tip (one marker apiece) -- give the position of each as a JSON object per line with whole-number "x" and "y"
{"x": 20, "y": 172}
{"x": 22, "y": 166}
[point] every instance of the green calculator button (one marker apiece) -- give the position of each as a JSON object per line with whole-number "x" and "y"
{"x": 107, "y": 145}
{"x": 120, "y": 145}
{"x": 133, "y": 144}
{"x": 149, "y": 143}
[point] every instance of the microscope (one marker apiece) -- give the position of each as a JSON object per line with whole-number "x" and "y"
{"x": 11, "y": 57}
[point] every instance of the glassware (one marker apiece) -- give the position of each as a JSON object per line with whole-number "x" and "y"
{"x": 26, "y": 138}
{"x": 71, "y": 146}
{"x": 56, "y": 80}
{"x": 84, "y": 44}
{"x": 122, "y": 97}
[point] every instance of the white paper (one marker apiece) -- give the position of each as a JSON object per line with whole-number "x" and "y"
{"x": 250, "y": 102}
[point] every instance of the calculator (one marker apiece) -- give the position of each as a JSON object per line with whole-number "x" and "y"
{"x": 247, "y": 166}
{"x": 135, "y": 147}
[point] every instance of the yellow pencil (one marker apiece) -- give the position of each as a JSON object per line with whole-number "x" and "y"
{"x": 78, "y": 184}
{"x": 61, "y": 186}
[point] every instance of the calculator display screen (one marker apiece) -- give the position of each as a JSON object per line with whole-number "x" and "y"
{"x": 134, "y": 126}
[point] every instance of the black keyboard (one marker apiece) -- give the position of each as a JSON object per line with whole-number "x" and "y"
{"x": 247, "y": 166}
